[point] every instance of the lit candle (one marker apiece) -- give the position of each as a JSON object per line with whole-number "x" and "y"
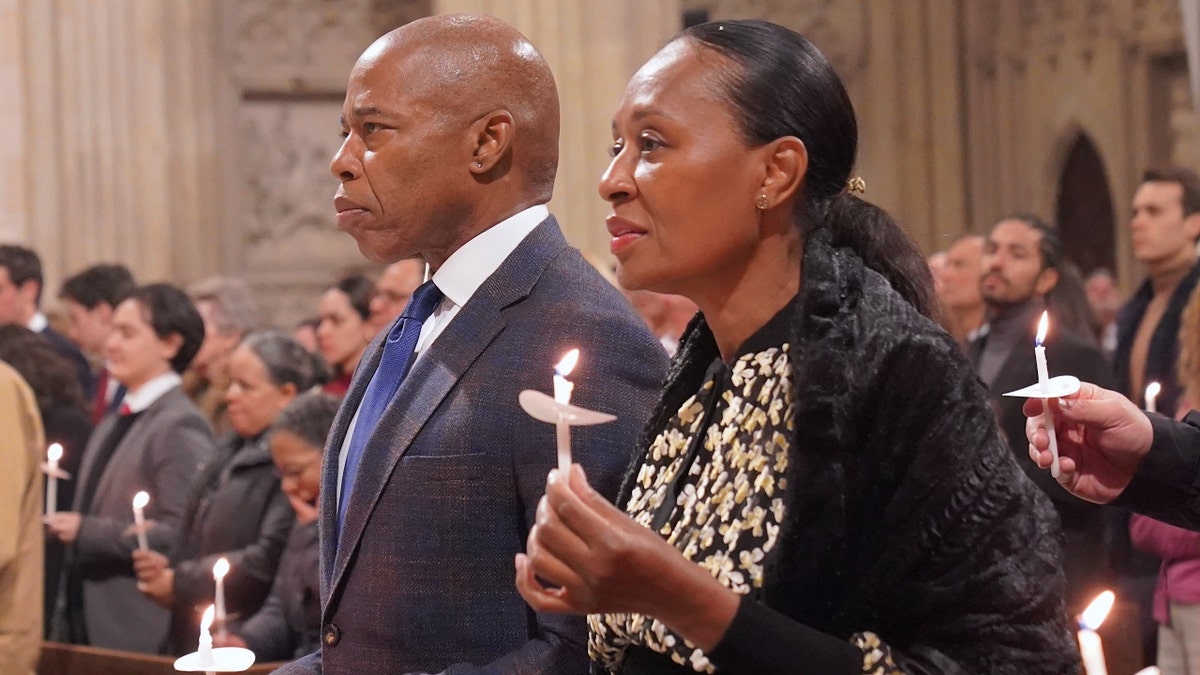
{"x": 1152, "y": 391}
{"x": 205, "y": 650}
{"x": 562, "y": 394}
{"x": 53, "y": 454}
{"x": 1039, "y": 353}
{"x": 140, "y": 500}
{"x": 219, "y": 571}
{"x": 1089, "y": 640}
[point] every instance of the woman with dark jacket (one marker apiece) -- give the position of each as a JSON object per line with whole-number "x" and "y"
{"x": 822, "y": 488}
{"x": 55, "y": 384}
{"x": 289, "y": 625}
{"x": 236, "y": 510}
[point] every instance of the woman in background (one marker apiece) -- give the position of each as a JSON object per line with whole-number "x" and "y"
{"x": 289, "y": 625}
{"x": 345, "y": 329}
{"x": 65, "y": 420}
{"x": 236, "y": 510}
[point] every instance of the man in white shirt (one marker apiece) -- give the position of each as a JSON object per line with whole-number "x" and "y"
{"x": 428, "y": 493}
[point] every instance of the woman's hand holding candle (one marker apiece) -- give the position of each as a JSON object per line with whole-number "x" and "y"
{"x": 156, "y": 579}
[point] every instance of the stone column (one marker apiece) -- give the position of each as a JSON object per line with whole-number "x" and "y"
{"x": 119, "y": 122}
{"x": 593, "y": 49}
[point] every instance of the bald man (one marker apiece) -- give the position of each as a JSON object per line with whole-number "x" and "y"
{"x": 432, "y": 478}
{"x": 393, "y": 289}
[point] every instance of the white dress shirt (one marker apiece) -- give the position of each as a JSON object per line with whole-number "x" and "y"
{"x": 458, "y": 278}
{"x": 151, "y": 391}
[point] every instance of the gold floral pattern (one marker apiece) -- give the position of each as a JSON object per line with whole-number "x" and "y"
{"x": 725, "y": 513}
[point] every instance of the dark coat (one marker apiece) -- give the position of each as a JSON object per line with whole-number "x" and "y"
{"x": 1088, "y": 540}
{"x": 289, "y": 624}
{"x": 422, "y": 576}
{"x": 906, "y": 513}
{"x": 1167, "y": 484}
{"x": 236, "y": 511}
{"x": 1164, "y": 344}
{"x": 68, "y": 350}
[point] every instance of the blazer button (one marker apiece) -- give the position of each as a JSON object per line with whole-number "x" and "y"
{"x": 331, "y": 634}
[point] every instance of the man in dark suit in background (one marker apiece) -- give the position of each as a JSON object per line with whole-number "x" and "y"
{"x": 91, "y": 297}
{"x": 20, "y": 298}
{"x": 1020, "y": 264}
{"x": 428, "y": 493}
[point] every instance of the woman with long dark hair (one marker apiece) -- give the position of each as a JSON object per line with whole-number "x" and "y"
{"x": 822, "y": 488}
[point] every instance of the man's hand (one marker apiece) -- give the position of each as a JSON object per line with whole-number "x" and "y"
{"x": 1102, "y": 438}
{"x": 63, "y": 525}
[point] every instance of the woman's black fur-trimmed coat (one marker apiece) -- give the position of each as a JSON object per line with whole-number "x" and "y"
{"x": 907, "y": 515}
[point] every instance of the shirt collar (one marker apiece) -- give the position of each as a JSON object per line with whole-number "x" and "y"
{"x": 148, "y": 393}
{"x": 38, "y": 323}
{"x": 467, "y": 268}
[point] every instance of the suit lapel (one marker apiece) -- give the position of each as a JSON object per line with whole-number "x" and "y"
{"x": 432, "y": 378}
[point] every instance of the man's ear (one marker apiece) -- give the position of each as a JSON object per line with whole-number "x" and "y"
{"x": 493, "y": 136}
{"x": 1046, "y": 281}
{"x": 171, "y": 346}
{"x": 1192, "y": 223}
{"x": 786, "y": 164}
{"x": 29, "y": 292}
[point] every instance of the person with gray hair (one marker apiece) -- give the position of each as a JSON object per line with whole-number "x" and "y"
{"x": 289, "y": 625}
{"x": 230, "y": 313}
{"x": 236, "y": 510}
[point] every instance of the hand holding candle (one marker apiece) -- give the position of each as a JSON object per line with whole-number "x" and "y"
{"x": 53, "y": 454}
{"x": 1152, "y": 391}
{"x": 1039, "y": 353}
{"x": 140, "y": 500}
{"x": 562, "y": 394}
{"x": 219, "y": 571}
{"x": 1089, "y": 640}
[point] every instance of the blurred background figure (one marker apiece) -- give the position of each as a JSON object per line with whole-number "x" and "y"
{"x": 667, "y": 315}
{"x": 153, "y": 443}
{"x": 1105, "y": 301}
{"x": 20, "y": 303}
{"x": 305, "y": 332}
{"x": 345, "y": 328}
{"x": 289, "y": 624}
{"x": 230, "y": 313}
{"x": 22, "y": 450}
{"x": 957, "y": 287}
{"x": 393, "y": 289}
{"x": 236, "y": 510}
{"x": 90, "y": 297}
{"x": 937, "y": 265}
{"x": 64, "y": 420}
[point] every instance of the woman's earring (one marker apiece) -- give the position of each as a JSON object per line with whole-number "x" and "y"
{"x": 761, "y": 203}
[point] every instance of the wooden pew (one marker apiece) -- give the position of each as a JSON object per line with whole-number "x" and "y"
{"x": 63, "y": 659}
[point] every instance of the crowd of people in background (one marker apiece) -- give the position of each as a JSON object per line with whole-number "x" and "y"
{"x": 236, "y": 413}
{"x": 993, "y": 287}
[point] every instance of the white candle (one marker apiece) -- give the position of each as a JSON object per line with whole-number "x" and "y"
{"x": 1152, "y": 391}
{"x": 140, "y": 500}
{"x": 1089, "y": 640}
{"x": 53, "y": 454}
{"x": 205, "y": 650}
{"x": 562, "y": 394}
{"x": 219, "y": 571}
{"x": 1039, "y": 354}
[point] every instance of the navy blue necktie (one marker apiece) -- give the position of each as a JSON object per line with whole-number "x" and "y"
{"x": 394, "y": 363}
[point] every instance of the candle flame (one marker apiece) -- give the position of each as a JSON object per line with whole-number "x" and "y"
{"x": 206, "y": 621}
{"x": 1043, "y": 325}
{"x": 221, "y": 569}
{"x": 567, "y": 364}
{"x": 54, "y": 452}
{"x": 1152, "y": 390}
{"x": 141, "y": 499}
{"x": 1096, "y": 612}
